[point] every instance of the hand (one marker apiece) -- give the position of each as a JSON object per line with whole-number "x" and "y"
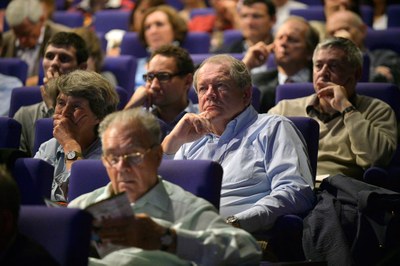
{"x": 257, "y": 55}
{"x": 384, "y": 71}
{"x": 334, "y": 96}
{"x": 66, "y": 132}
{"x": 142, "y": 96}
{"x": 190, "y": 128}
{"x": 138, "y": 231}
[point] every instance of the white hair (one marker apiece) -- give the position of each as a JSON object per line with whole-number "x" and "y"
{"x": 18, "y": 10}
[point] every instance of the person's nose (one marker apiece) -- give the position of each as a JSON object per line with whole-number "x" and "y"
{"x": 155, "y": 84}
{"x": 122, "y": 165}
{"x": 67, "y": 110}
{"x": 324, "y": 72}
{"x": 210, "y": 93}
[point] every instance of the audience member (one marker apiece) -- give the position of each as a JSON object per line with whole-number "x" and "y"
{"x": 114, "y": 37}
{"x": 385, "y": 64}
{"x": 266, "y": 168}
{"x": 7, "y": 83}
{"x": 96, "y": 55}
{"x": 356, "y": 131}
{"x": 283, "y": 8}
{"x": 65, "y": 52}
{"x": 170, "y": 226}
{"x": 161, "y": 25}
{"x": 28, "y": 35}
{"x": 189, "y": 5}
{"x": 84, "y": 99}
{"x": 136, "y": 18}
{"x": 380, "y": 9}
{"x": 168, "y": 81}
{"x": 256, "y": 19}
{"x": 292, "y": 48}
{"x": 15, "y": 248}
{"x": 332, "y": 6}
{"x": 225, "y": 17}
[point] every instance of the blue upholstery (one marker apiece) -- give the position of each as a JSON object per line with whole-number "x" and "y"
{"x": 383, "y": 39}
{"x": 205, "y": 182}
{"x": 34, "y": 178}
{"x": 393, "y": 16}
{"x": 177, "y": 4}
{"x": 69, "y": 19}
{"x": 24, "y": 96}
{"x": 231, "y": 36}
{"x": 14, "y": 67}
{"x": 65, "y": 233}
{"x": 309, "y": 128}
{"x": 43, "y": 132}
{"x": 124, "y": 69}
{"x": 10, "y": 133}
{"x": 195, "y": 43}
{"x": 201, "y": 12}
{"x": 106, "y": 20}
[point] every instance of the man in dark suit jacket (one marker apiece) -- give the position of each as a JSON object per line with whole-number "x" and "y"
{"x": 29, "y": 32}
{"x": 256, "y": 19}
{"x": 293, "y": 47}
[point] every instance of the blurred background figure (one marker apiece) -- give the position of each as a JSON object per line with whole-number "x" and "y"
{"x": 29, "y": 32}
{"x": 189, "y": 5}
{"x": 96, "y": 54}
{"x": 225, "y": 17}
{"x": 161, "y": 25}
{"x": 7, "y": 83}
{"x": 138, "y": 11}
{"x": 283, "y": 8}
{"x": 380, "y": 16}
{"x": 384, "y": 63}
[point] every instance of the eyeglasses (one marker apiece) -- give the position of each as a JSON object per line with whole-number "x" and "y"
{"x": 161, "y": 76}
{"x": 132, "y": 159}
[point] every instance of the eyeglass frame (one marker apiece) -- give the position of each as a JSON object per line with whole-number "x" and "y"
{"x": 125, "y": 157}
{"x": 157, "y": 75}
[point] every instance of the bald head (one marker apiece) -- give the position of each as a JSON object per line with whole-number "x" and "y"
{"x": 347, "y": 24}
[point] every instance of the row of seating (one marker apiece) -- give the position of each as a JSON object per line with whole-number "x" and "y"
{"x": 34, "y": 178}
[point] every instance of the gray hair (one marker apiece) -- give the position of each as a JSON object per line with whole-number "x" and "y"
{"x": 353, "y": 56}
{"x": 101, "y": 95}
{"x": 18, "y": 10}
{"x": 237, "y": 70}
{"x": 131, "y": 116}
{"x": 312, "y": 35}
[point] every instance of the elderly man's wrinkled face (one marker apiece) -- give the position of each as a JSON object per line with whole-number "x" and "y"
{"x": 331, "y": 66}
{"x": 131, "y": 159}
{"x": 28, "y": 33}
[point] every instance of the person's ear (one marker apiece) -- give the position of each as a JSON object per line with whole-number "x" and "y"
{"x": 248, "y": 94}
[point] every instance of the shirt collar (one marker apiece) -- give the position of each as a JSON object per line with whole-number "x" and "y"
{"x": 301, "y": 76}
{"x": 157, "y": 197}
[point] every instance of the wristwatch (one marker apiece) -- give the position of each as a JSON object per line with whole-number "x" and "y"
{"x": 232, "y": 220}
{"x": 73, "y": 155}
{"x": 349, "y": 109}
{"x": 167, "y": 239}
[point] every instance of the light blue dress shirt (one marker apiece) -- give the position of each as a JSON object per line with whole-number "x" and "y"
{"x": 52, "y": 152}
{"x": 203, "y": 237}
{"x": 266, "y": 168}
{"x": 7, "y": 83}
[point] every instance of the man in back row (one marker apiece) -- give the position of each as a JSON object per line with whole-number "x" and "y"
{"x": 170, "y": 225}
{"x": 356, "y": 131}
{"x": 65, "y": 52}
{"x": 30, "y": 30}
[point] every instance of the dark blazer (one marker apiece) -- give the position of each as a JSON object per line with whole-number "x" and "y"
{"x": 233, "y": 48}
{"x": 9, "y": 39}
{"x": 267, "y": 82}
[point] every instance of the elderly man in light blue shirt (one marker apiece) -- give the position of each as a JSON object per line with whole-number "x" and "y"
{"x": 266, "y": 168}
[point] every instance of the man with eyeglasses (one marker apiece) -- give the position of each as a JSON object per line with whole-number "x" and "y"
{"x": 170, "y": 226}
{"x": 168, "y": 81}
{"x": 29, "y": 34}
